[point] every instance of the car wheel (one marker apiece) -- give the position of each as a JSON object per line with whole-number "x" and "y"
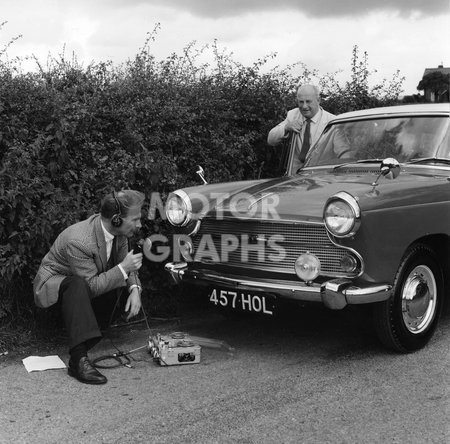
{"x": 407, "y": 320}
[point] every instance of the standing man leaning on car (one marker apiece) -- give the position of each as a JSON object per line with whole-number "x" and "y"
{"x": 86, "y": 267}
{"x": 306, "y": 123}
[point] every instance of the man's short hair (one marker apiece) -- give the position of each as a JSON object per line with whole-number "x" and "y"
{"x": 121, "y": 202}
{"x": 314, "y": 87}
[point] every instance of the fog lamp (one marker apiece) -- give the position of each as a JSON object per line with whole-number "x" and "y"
{"x": 307, "y": 267}
{"x": 348, "y": 263}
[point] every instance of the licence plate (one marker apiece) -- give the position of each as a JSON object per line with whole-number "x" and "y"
{"x": 241, "y": 300}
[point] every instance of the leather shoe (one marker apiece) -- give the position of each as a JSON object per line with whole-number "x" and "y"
{"x": 85, "y": 372}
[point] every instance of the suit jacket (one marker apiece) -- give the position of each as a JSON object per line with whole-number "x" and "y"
{"x": 318, "y": 124}
{"x": 80, "y": 250}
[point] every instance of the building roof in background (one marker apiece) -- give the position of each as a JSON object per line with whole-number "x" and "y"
{"x": 440, "y": 68}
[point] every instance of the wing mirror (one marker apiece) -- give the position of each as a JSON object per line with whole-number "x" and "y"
{"x": 389, "y": 168}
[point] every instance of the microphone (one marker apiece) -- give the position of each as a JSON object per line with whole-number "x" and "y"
{"x": 143, "y": 246}
{"x": 138, "y": 246}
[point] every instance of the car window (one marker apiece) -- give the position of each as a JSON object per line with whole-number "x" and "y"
{"x": 403, "y": 138}
{"x": 444, "y": 150}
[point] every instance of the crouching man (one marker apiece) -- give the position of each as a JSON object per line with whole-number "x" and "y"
{"x": 85, "y": 271}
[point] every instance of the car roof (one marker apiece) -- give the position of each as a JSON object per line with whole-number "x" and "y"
{"x": 420, "y": 109}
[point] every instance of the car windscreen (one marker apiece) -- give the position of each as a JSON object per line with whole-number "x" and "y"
{"x": 403, "y": 138}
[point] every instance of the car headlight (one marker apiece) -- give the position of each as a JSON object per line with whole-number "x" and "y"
{"x": 342, "y": 215}
{"x": 179, "y": 208}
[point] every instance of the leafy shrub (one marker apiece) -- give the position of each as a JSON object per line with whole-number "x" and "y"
{"x": 70, "y": 134}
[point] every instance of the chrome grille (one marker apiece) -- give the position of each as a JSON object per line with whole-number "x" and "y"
{"x": 297, "y": 238}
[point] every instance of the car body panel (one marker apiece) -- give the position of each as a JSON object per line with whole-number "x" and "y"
{"x": 395, "y": 213}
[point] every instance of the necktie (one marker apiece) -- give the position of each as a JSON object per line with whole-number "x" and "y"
{"x": 305, "y": 144}
{"x": 112, "y": 255}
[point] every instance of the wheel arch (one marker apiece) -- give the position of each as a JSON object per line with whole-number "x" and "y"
{"x": 389, "y": 316}
{"x": 440, "y": 244}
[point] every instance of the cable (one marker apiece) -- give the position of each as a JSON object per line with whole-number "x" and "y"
{"x": 115, "y": 357}
{"x": 121, "y": 358}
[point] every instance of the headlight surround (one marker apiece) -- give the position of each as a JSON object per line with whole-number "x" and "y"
{"x": 178, "y": 208}
{"x": 342, "y": 215}
{"x": 186, "y": 248}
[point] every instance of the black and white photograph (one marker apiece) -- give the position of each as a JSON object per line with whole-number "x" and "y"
{"x": 225, "y": 221}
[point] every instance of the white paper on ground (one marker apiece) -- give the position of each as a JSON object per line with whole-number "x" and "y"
{"x": 39, "y": 363}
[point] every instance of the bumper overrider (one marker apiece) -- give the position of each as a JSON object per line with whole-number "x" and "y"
{"x": 334, "y": 294}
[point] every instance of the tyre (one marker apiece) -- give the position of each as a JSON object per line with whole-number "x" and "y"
{"x": 408, "y": 319}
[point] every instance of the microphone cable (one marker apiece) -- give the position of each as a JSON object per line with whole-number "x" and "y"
{"x": 120, "y": 359}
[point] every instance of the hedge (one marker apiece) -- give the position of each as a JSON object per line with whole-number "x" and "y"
{"x": 69, "y": 134}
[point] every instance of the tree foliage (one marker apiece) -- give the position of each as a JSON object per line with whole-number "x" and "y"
{"x": 358, "y": 93}
{"x": 69, "y": 134}
{"x": 437, "y": 82}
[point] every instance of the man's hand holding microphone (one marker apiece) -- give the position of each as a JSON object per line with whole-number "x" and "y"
{"x": 132, "y": 262}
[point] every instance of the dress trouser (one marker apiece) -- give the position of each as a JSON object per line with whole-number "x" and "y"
{"x": 82, "y": 313}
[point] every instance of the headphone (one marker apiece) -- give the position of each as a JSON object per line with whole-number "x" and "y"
{"x": 116, "y": 219}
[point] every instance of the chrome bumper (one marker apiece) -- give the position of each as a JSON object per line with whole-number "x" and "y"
{"x": 334, "y": 294}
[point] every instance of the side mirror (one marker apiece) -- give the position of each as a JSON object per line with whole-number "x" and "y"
{"x": 390, "y": 168}
{"x": 201, "y": 172}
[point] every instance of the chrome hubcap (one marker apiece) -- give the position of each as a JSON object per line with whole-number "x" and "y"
{"x": 419, "y": 299}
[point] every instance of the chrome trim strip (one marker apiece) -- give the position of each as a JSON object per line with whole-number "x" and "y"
{"x": 352, "y": 250}
{"x": 195, "y": 229}
{"x": 277, "y": 270}
{"x": 422, "y": 165}
{"x": 250, "y": 283}
{"x": 357, "y": 291}
{"x": 283, "y": 221}
{"x": 259, "y": 199}
{"x": 394, "y": 114}
{"x": 368, "y": 295}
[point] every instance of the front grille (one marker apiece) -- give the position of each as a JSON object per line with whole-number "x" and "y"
{"x": 293, "y": 238}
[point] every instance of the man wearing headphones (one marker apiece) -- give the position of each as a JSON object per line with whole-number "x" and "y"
{"x": 88, "y": 265}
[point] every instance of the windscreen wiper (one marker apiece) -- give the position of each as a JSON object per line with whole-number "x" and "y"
{"x": 430, "y": 160}
{"x": 357, "y": 161}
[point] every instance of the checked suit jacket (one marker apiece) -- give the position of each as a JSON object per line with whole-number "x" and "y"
{"x": 80, "y": 250}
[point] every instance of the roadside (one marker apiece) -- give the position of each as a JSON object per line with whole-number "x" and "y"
{"x": 311, "y": 376}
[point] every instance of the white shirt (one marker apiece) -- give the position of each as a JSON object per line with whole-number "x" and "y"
{"x": 109, "y": 239}
{"x": 318, "y": 122}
